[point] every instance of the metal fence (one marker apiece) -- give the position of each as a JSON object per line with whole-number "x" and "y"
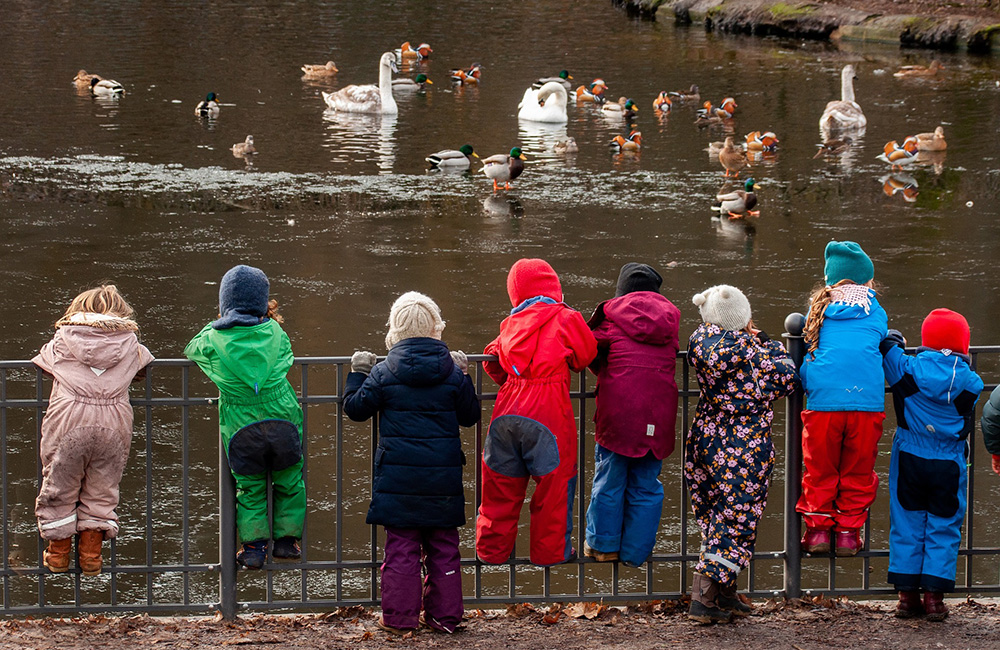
{"x": 176, "y": 550}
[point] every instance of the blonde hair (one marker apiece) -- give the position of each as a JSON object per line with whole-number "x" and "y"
{"x": 272, "y": 311}
{"x": 819, "y": 300}
{"x": 104, "y": 299}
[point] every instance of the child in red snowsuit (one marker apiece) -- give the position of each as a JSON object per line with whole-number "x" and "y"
{"x": 533, "y": 432}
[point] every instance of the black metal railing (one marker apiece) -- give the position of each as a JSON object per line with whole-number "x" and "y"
{"x": 166, "y": 559}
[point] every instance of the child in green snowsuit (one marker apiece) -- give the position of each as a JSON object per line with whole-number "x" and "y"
{"x": 247, "y": 354}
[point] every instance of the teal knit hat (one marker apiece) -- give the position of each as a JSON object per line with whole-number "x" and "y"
{"x": 845, "y": 260}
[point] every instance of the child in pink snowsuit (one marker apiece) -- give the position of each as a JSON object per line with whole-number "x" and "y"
{"x": 87, "y": 430}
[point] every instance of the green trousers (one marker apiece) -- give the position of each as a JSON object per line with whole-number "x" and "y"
{"x": 289, "y": 504}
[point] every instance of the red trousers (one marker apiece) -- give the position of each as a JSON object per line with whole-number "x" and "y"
{"x": 839, "y": 483}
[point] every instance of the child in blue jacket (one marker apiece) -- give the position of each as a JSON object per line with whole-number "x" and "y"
{"x": 934, "y": 394}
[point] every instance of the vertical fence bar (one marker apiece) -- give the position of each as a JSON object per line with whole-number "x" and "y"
{"x": 3, "y": 488}
{"x": 227, "y": 537}
{"x": 185, "y": 478}
{"x": 38, "y": 471}
{"x": 303, "y": 574}
{"x": 477, "y": 463}
{"x": 374, "y": 528}
{"x": 340, "y": 483}
{"x": 580, "y": 480}
{"x": 685, "y": 518}
{"x": 794, "y": 324}
{"x": 148, "y": 428}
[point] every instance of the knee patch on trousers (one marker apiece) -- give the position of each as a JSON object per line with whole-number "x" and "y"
{"x": 519, "y": 446}
{"x": 928, "y": 484}
{"x": 266, "y": 445}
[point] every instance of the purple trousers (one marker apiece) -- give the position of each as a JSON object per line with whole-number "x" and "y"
{"x": 421, "y": 566}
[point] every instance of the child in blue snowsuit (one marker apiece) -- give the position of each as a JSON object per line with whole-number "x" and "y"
{"x": 934, "y": 394}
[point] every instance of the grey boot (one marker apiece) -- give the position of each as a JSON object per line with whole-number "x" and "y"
{"x": 704, "y": 608}
{"x": 729, "y": 601}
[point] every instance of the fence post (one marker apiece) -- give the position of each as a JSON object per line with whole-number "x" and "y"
{"x": 794, "y": 324}
{"x": 227, "y": 537}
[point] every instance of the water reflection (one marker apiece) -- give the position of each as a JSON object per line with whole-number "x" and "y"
{"x": 540, "y": 139}
{"x": 360, "y": 136}
{"x": 503, "y": 205}
{"x": 902, "y": 184}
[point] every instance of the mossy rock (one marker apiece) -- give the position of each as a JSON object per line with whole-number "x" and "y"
{"x": 785, "y": 11}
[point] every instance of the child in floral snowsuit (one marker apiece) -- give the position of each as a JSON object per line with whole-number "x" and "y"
{"x": 729, "y": 455}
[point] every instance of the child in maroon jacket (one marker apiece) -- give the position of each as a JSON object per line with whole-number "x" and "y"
{"x": 636, "y": 414}
{"x": 533, "y": 430}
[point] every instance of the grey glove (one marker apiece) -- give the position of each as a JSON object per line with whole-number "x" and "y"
{"x": 460, "y": 360}
{"x": 362, "y": 361}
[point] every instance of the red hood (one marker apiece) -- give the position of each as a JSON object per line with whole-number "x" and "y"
{"x": 532, "y": 277}
{"x": 644, "y": 316}
{"x": 519, "y": 335}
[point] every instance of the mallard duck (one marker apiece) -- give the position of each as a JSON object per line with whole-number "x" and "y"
{"x": 714, "y": 148}
{"x": 731, "y": 158}
{"x": 106, "y": 87}
{"x": 738, "y": 202}
{"x": 327, "y": 69}
{"x": 624, "y": 108}
{"x": 899, "y": 155}
{"x": 547, "y": 104}
{"x": 691, "y": 95}
{"x": 663, "y": 103}
{"x": 407, "y": 51}
{"x": 563, "y": 78}
{"x": 208, "y": 107}
{"x": 834, "y": 147}
{"x": 368, "y": 98}
{"x": 932, "y": 141}
{"x": 594, "y": 94}
{"x": 83, "y": 79}
{"x": 919, "y": 70}
{"x": 504, "y": 168}
{"x": 566, "y": 146}
{"x": 632, "y": 143}
{"x": 757, "y": 141}
{"x": 244, "y": 148}
{"x": 417, "y": 83}
{"x": 470, "y": 76}
{"x": 843, "y": 114}
{"x": 455, "y": 159}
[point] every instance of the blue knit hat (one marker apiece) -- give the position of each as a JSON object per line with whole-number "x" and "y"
{"x": 242, "y": 297}
{"x": 846, "y": 261}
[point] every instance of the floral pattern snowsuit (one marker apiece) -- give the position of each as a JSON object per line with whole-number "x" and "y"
{"x": 729, "y": 454}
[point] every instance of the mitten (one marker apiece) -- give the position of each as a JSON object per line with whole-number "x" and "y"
{"x": 460, "y": 360}
{"x": 894, "y": 338}
{"x": 362, "y": 361}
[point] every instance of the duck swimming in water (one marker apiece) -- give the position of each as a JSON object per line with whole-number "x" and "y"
{"x": 327, "y": 69}
{"x": 417, "y": 83}
{"x": 563, "y": 78}
{"x": 106, "y": 87}
{"x": 452, "y": 159}
{"x": 208, "y": 107}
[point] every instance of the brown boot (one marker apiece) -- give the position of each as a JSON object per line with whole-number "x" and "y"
{"x": 729, "y": 600}
{"x": 909, "y": 604}
{"x": 704, "y": 608}
{"x": 934, "y": 606}
{"x": 56, "y": 556}
{"x": 89, "y": 551}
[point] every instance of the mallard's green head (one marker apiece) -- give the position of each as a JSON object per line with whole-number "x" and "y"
{"x": 564, "y": 74}
{"x": 630, "y": 106}
{"x": 749, "y": 185}
{"x": 211, "y": 97}
{"x": 516, "y": 153}
{"x": 467, "y": 150}
{"x": 422, "y": 79}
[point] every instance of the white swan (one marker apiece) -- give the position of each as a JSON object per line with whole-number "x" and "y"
{"x": 369, "y": 98}
{"x": 547, "y": 104}
{"x": 843, "y": 114}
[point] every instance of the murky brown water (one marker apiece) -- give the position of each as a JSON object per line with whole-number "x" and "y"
{"x": 140, "y": 192}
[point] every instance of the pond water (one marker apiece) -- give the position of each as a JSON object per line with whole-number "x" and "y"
{"x": 342, "y": 214}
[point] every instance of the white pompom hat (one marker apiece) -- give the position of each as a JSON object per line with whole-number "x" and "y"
{"x": 413, "y": 315}
{"x": 723, "y": 305}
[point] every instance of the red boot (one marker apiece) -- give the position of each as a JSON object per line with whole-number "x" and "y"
{"x": 848, "y": 542}
{"x": 934, "y": 606}
{"x": 816, "y": 540}
{"x": 909, "y": 605}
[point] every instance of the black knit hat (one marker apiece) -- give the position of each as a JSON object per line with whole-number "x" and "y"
{"x": 242, "y": 297}
{"x": 637, "y": 277}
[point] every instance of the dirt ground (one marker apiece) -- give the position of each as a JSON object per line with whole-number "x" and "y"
{"x": 800, "y": 625}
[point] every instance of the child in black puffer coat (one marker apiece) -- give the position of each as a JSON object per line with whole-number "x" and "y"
{"x": 422, "y": 394}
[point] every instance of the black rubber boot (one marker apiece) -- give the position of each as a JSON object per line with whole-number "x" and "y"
{"x": 730, "y": 601}
{"x": 704, "y": 608}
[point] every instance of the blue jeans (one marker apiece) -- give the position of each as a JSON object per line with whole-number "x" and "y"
{"x": 625, "y": 505}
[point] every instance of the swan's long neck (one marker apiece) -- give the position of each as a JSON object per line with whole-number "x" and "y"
{"x": 847, "y": 86}
{"x": 385, "y": 89}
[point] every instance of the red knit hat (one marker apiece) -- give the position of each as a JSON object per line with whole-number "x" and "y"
{"x": 532, "y": 277}
{"x": 944, "y": 329}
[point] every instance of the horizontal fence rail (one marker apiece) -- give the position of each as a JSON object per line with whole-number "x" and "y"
{"x": 176, "y": 549}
